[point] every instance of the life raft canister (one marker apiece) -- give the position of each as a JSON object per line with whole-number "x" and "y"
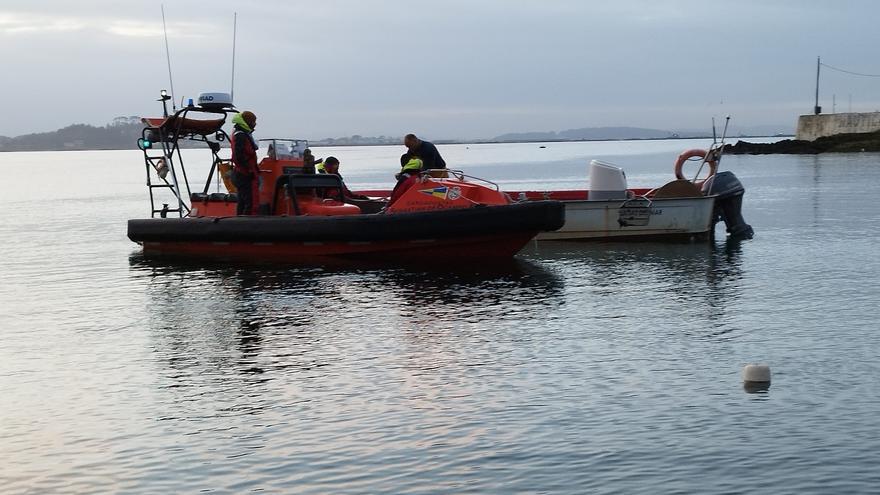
{"x": 695, "y": 153}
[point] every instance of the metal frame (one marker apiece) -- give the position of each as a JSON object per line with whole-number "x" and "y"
{"x": 170, "y": 143}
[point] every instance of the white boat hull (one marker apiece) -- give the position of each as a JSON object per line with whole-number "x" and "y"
{"x": 613, "y": 219}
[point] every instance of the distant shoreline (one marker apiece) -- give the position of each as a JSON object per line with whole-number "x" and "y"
{"x": 437, "y": 142}
{"x": 124, "y": 132}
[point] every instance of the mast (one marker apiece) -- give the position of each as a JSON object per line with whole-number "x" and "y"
{"x": 816, "y": 108}
{"x": 168, "y": 58}
{"x": 232, "y": 83}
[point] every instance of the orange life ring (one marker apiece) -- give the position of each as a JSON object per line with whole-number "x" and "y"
{"x": 695, "y": 153}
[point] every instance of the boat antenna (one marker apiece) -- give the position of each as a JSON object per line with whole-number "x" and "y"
{"x": 717, "y": 149}
{"x": 168, "y": 58}
{"x": 232, "y": 83}
{"x": 724, "y": 132}
{"x": 714, "y": 138}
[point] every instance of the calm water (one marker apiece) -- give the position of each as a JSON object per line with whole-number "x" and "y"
{"x": 578, "y": 368}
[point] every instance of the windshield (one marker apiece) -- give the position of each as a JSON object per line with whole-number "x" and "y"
{"x": 282, "y": 149}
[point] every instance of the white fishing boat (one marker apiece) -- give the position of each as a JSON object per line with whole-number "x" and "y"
{"x": 680, "y": 209}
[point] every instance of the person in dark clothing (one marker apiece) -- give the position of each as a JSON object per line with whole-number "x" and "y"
{"x": 244, "y": 163}
{"x": 309, "y": 161}
{"x": 424, "y": 151}
{"x": 331, "y": 166}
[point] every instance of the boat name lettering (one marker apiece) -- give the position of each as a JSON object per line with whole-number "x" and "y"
{"x": 640, "y": 210}
{"x": 635, "y": 216}
{"x": 425, "y": 206}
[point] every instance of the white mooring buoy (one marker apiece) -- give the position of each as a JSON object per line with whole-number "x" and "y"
{"x": 756, "y": 377}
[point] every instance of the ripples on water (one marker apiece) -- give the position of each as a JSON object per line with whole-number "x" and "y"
{"x": 575, "y": 368}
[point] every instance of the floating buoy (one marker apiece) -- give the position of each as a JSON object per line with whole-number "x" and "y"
{"x": 756, "y": 377}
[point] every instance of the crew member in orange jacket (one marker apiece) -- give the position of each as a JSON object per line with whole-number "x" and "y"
{"x": 245, "y": 172}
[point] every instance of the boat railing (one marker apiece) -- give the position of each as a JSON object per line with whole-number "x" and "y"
{"x": 641, "y": 199}
{"x": 441, "y": 173}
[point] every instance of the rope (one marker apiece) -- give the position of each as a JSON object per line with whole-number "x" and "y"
{"x": 849, "y": 71}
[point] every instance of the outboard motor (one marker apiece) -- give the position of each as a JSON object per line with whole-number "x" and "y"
{"x": 607, "y": 181}
{"x": 728, "y": 204}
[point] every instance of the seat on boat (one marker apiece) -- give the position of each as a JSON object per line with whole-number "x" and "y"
{"x": 213, "y": 197}
{"x": 306, "y": 186}
{"x": 174, "y": 124}
{"x": 679, "y": 188}
{"x": 226, "y": 198}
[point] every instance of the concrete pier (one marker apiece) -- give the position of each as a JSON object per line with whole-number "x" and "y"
{"x": 811, "y": 127}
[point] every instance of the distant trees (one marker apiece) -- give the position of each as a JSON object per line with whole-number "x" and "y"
{"x": 121, "y": 133}
{"x": 357, "y": 140}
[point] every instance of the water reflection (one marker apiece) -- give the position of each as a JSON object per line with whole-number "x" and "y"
{"x": 759, "y": 388}
{"x": 472, "y": 293}
{"x": 250, "y": 318}
{"x": 817, "y": 189}
{"x": 210, "y": 317}
{"x": 703, "y": 279}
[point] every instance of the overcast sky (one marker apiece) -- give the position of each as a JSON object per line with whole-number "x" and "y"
{"x": 441, "y": 69}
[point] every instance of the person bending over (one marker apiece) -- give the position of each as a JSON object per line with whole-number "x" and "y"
{"x": 423, "y": 150}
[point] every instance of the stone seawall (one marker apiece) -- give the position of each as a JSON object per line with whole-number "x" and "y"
{"x": 811, "y": 127}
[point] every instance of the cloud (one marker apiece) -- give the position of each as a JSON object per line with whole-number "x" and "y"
{"x": 448, "y": 67}
{"x": 18, "y": 24}
{"x": 140, "y": 29}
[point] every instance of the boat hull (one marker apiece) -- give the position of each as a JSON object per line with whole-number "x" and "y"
{"x": 669, "y": 218}
{"x": 492, "y": 246}
{"x": 478, "y": 232}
